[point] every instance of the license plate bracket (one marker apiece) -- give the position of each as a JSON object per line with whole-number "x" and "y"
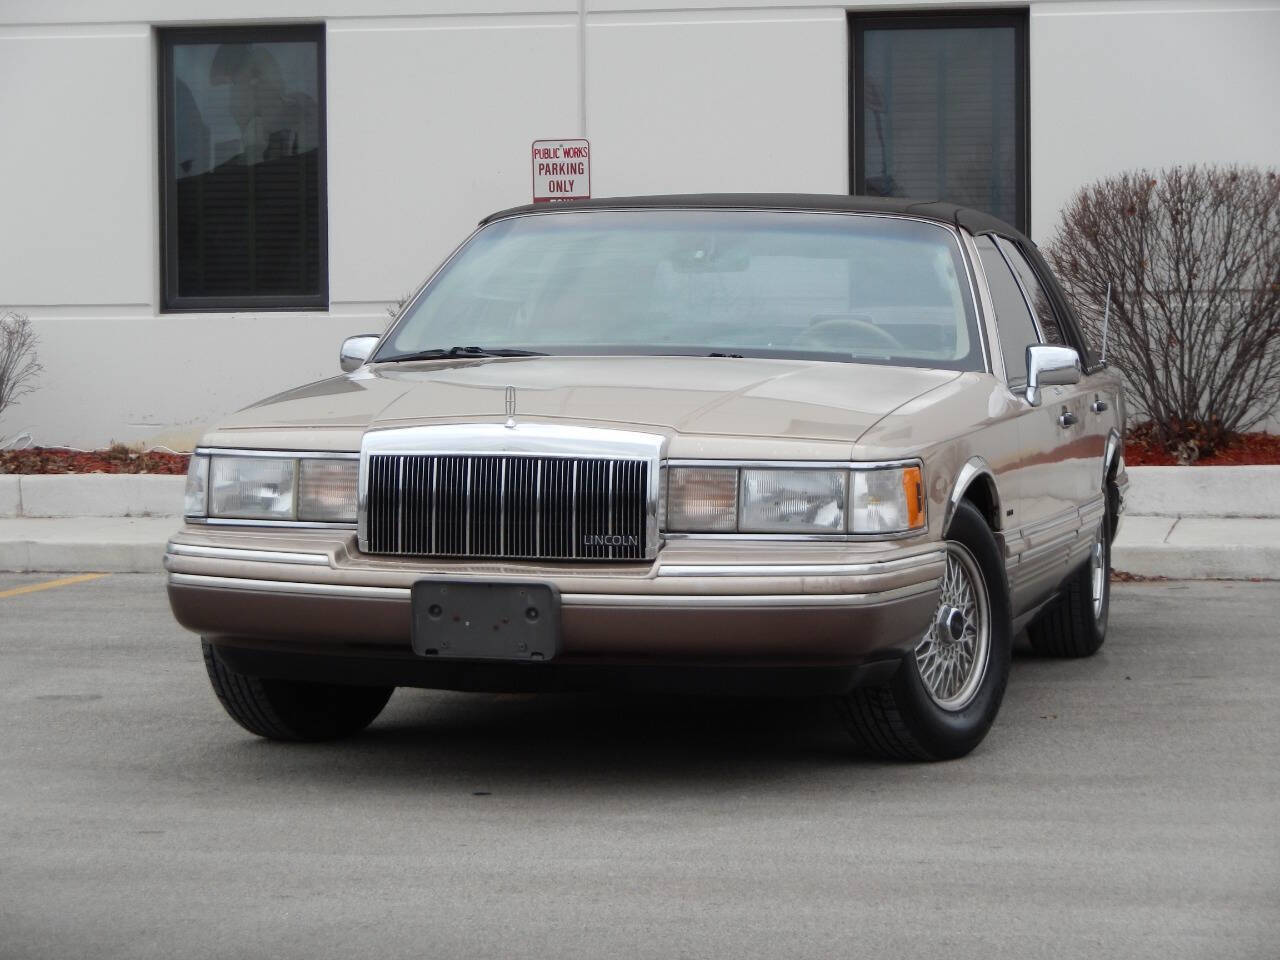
{"x": 469, "y": 620}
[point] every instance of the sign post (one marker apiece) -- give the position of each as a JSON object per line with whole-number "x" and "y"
{"x": 561, "y": 170}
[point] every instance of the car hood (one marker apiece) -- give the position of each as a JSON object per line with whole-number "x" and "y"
{"x": 707, "y": 397}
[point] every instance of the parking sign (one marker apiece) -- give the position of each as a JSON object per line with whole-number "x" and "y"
{"x": 561, "y": 170}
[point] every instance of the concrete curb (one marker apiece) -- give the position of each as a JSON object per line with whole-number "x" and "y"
{"x": 85, "y": 544}
{"x": 1204, "y": 491}
{"x": 1199, "y": 548}
{"x": 1229, "y": 562}
{"x": 1201, "y": 523}
{"x": 10, "y": 495}
{"x": 91, "y": 495}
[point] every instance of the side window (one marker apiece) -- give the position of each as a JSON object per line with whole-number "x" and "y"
{"x": 1045, "y": 316}
{"x": 1013, "y": 317}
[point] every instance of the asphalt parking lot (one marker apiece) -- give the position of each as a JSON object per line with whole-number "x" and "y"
{"x": 1128, "y": 805}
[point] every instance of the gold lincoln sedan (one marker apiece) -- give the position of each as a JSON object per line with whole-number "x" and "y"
{"x": 760, "y": 444}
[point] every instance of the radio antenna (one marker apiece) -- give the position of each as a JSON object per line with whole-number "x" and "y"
{"x": 1106, "y": 316}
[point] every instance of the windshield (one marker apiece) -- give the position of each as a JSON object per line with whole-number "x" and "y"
{"x": 738, "y": 283}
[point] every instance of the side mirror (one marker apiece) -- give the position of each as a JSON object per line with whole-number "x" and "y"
{"x": 356, "y": 350}
{"x": 1050, "y": 367}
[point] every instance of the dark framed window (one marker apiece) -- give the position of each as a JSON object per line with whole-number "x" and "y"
{"x": 242, "y": 169}
{"x": 939, "y": 109}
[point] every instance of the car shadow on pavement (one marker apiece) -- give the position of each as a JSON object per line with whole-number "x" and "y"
{"x": 488, "y": 743}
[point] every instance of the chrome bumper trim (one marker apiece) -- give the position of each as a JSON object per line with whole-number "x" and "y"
{"x": 244, "y": 554}
{"x": 705, "y": 601}
{"x": 697, "y": 601}
{"x": 800, "y": 569}
{"x": 289, "y": 586}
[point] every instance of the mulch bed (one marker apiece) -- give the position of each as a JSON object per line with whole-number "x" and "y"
{"x": 1246, "y": 449}
{"x": 118, "y": 459}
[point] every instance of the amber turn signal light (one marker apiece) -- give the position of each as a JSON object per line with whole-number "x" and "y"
{"x": 913, "y": 494}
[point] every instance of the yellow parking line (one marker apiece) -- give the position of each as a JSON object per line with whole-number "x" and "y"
{"x": 50, "y": 584}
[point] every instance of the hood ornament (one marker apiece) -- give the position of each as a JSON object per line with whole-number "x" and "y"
{"x": 511, "y": 408}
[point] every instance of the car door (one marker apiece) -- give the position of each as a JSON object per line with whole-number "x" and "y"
{"x": 1096, "y": 403}
{"x": 1049, "y": 481}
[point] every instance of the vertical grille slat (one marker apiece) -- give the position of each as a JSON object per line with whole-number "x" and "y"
{"x": 503, "y": 506}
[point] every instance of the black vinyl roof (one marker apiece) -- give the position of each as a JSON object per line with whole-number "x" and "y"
{"x": 972, "y": 220}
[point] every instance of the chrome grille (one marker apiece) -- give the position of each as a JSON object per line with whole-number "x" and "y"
{"x": 518, "y": 507}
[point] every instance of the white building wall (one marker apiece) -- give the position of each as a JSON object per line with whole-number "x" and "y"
{"x": 430, "y": 122}
{"x": 431, "y": 106}
{"x": 726, "y": 101}
{"x": 1148, "y": 83}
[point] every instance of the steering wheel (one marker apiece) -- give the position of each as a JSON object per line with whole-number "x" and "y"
{"x": 847, "y": 333}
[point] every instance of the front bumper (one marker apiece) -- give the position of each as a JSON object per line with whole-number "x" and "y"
{"x": 700, "y": 603}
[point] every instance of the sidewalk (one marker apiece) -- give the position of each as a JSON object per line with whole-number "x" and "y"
{"x": 85, "y": 544}
{"x": 1199, "y": 548}
{"x": 1193, "y": 548}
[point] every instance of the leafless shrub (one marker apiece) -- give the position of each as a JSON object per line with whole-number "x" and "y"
{"x": 18, "y": 365}
{"x": 1193, "y": 257}
{"x": 396, "y": 308}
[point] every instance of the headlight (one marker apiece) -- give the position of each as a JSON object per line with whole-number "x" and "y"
{"x": 793, "y": 501}
{"x": 252, "y": 488}
{"x": 306, "y": 489}
{"x": 810, "y": 500}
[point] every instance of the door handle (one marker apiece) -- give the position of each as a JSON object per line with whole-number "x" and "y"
{"x": 1067, "y": 419}
{"x": 1098, "y": 406}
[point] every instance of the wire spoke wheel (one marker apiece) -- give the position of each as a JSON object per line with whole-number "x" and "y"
{"x": 952, "y": 655}
{"x": 943, "y": 700}
{"x": 1098, "y": 572}
{"x": 1075, "y": 624}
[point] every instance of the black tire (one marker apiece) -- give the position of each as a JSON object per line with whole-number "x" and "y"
{"x": 290, "y": 709}
{"x": 1070, "y": 627}
{"x": 1113, "y": 511}
{"x": 899, "y": 720}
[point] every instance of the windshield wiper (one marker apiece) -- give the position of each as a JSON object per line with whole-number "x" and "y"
{"x": 441, "y": 354}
